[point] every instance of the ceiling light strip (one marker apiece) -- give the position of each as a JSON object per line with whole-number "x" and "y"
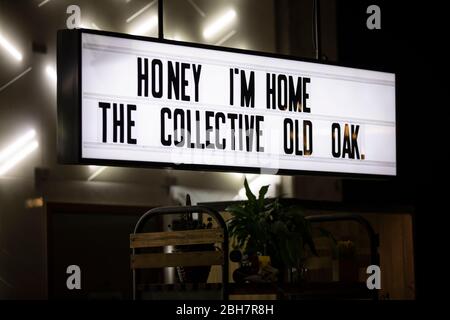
{"x": 19, "y": 156}
{"x": 137, "y": 14}
{"x": 43, "y": 3}
{"x": 226, "y": 38}
{"x": 197, "y": 8}
{"x": 17, "y": 145}
{"x": 10, "y": 48}
{"x": 96, "y": 173}
{"x": 15, "y": 79}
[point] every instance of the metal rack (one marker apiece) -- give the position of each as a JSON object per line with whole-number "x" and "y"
{"x": 139, "y": 240}
{"x": 373, "y": 237}
{"x": 317, "y": 290}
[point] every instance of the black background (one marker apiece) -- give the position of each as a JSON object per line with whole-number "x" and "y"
{"x": 409, "y": 44}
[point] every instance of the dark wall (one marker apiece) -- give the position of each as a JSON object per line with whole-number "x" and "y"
{"x": 294, "y": 28}
{"x": 387, "y": 49}
{"x": 95, "y": 238}
{"x": 407, "y": 44}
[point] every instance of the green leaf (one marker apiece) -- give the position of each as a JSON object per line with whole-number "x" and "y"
{"x": 250, "y": 196}
{"x": 262, "y": 193}
{"x": 237, "y": 211}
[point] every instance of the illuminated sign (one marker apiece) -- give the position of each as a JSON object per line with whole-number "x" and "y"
{"x": 130, "y": 100}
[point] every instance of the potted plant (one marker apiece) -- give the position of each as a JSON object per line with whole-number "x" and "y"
{"x": 266, "y": 227}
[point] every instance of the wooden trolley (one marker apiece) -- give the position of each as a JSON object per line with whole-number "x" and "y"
{"x": 141, "y": 260}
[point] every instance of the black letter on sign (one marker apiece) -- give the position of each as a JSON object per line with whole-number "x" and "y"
{"x": 288, "y": 136}
{"x": 184, "y": 82}
{"x": 231, "y": 86}
{"x": 176, "y": 128}
{"x": 248, "y": 91}
{"x": 259, "y": 133}
{"x": 298, "y": 152}
{"x": 197, "y": 71}
{"x": 209, "y": 129}
{"x": 130, "y": 123}
{"x": 198, "y": 145}
{"x": 142, "y": 77}
{"x": 220, "y": 117}
{"x": 104, "y": 106}
{"x": 270, "y": 93}
{"x": 165, "y": 142}
{"x": 295, "y": 95}
{"x": 346, "y": 149}
{"x": 355, "y": 149}
{"x": 118, "y": 123}
{"x": 282, "y": 92}
{"x": 249, "y": 131}
{"x": 233, "y": 117}
{"x": 336, "y": 140}
{"x": 173, "y": 80}
{"x": 305, "y": 95}
{"x": 307, "y": 144}
{"x": 157, "y": 93}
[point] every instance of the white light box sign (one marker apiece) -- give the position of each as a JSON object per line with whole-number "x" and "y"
{"x": 160, "y": 103}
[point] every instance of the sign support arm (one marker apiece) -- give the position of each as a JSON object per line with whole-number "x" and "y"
{"x": 160, "y": 19}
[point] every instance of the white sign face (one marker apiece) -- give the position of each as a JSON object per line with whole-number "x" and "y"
{"x": 167, "y": 104}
